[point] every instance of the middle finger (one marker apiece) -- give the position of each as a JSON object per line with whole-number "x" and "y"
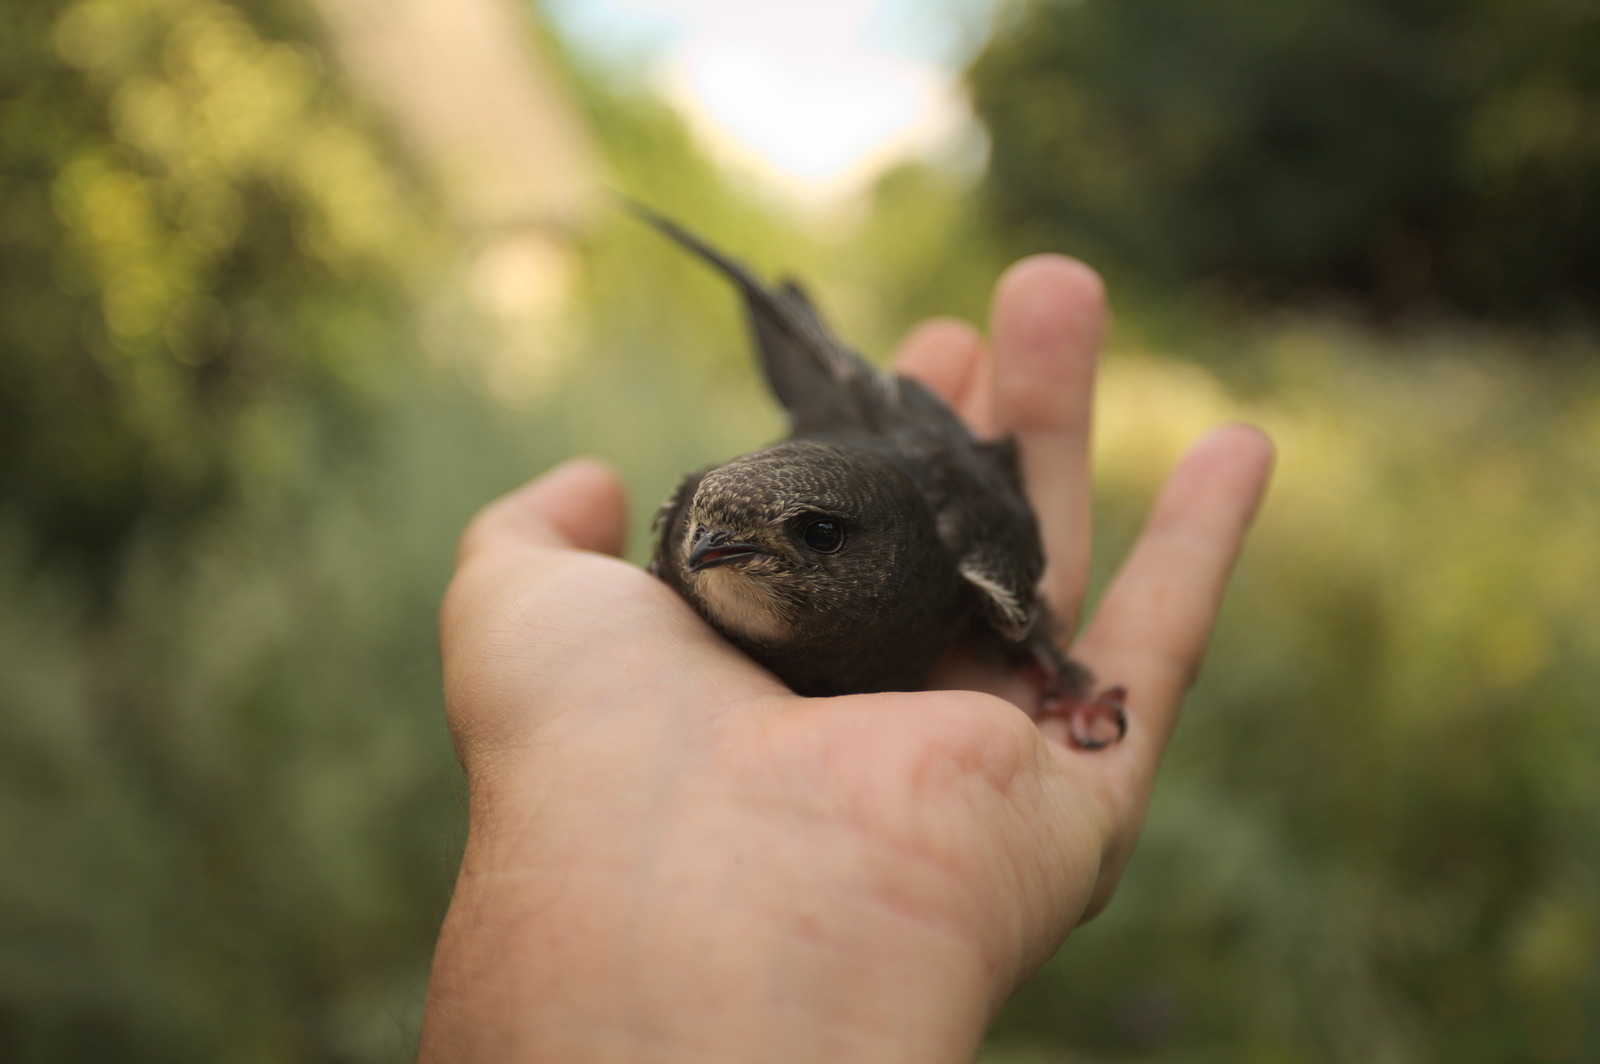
{"x": 1047, "y": 323}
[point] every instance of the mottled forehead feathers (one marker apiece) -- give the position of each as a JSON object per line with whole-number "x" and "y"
{"x": 794, "y": 477}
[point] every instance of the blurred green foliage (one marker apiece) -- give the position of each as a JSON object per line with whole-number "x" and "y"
{"x": 1391, "y": 153}
{"x": 245, "y": 411}
{"x": 207, "y": 264}
{"x": 204, "y": 252}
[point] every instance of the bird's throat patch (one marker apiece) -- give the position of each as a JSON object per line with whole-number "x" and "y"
{"x": 742, "y": 604}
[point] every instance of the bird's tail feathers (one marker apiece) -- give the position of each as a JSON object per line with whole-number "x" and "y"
{"x": 822, "y": 383}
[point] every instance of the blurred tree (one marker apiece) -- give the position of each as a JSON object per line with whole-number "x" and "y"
{"x": 203, "y": 254}
{"x": 1399, "y": 153}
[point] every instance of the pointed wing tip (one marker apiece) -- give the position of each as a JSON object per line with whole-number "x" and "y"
{"x": 734, "y": 269}
{"x": 646, "y": 213}
{"x": 1005, "y": 605}
{"x": 809, "y": 372}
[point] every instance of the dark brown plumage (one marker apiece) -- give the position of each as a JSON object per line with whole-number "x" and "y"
{"x": 848, "y": 558}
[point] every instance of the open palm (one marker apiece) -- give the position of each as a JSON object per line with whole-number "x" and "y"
{"x": 668, "y": 807}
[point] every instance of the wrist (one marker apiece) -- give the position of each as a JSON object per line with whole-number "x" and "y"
{"x": 565, "y": 944}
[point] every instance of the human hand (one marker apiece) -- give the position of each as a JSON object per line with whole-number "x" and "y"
{"x": 672, "y": 856}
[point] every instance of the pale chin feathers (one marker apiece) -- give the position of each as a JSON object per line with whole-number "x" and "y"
{"x": 742, "y": 605}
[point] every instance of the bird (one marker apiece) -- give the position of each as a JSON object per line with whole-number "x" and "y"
{"x": 851, "y": 556}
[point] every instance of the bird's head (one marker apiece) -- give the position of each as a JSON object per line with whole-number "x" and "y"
{"x": 800, "y": 534}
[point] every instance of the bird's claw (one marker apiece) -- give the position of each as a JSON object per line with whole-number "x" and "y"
{"x": 1092, "y": 724}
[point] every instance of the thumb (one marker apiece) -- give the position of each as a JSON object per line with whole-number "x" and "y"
{"x": 578, "y": 505}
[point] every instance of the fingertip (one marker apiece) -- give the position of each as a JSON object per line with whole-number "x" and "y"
{"x": 596, "y": 504}
{"x": 1253, "y": 452}
{"x": 944, "y": 354}
{"x": 1062, "y": 269}
{"x": 579, "y": 504}
{"x": 1052, "y": 294}
{"x": 1048, "y": 321}
{"x": 1233, "y": 462}
{"x": 1243, "y": 442}
{"x": 1152, "y": 625}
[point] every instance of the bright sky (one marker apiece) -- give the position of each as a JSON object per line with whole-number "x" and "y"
{"x": 816, "y": 95}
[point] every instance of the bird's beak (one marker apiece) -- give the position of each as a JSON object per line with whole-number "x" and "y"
{"x": 717, "y": 548}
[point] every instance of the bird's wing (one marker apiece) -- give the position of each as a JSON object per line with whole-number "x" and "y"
{"x": 1007, "y": 607}
{"x": 997, "y": 546}
{"x": 821, "y": 383}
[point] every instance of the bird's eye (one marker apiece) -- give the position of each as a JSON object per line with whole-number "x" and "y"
{"x": 823, "y": 535}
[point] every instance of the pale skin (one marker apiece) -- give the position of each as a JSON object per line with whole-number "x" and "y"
{"x": 673, "y": 858}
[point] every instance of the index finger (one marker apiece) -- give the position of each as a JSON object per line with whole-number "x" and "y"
{"x": 1152, "y": 625}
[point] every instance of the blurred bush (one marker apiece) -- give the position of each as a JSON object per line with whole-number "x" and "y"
{"x": 211, "y": 685}
{"x": 1396, "y": 154}
{"x": 206, "y": 255}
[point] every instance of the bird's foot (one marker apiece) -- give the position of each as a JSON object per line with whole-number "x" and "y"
{"x": 1092, "y": 724}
